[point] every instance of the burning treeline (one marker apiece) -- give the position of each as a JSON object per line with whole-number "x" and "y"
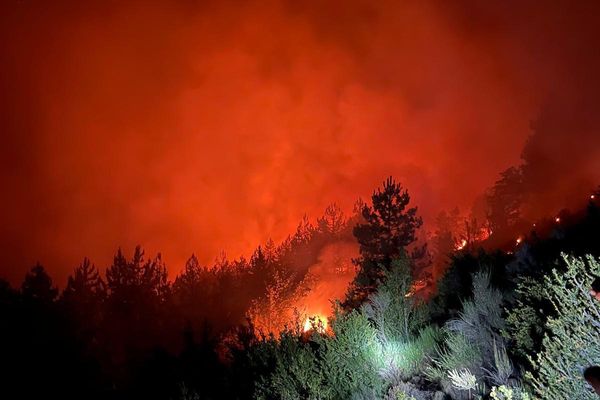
{"x": 503, "y": 220}
{"x": 210, "y": 316}
{"x": 296, "y": 283}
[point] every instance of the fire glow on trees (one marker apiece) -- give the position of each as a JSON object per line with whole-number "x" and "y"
{"x": 316, "y": 322}
{"x": 333, "y": 273}
{"x": 288, "y": 305}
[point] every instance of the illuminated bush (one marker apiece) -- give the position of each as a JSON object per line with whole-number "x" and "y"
{"x": 369, "y": 353}
{"x": 473, "y": 343}
{"x": 399, "y": 322}
{"x": 398, "y": 361}
{"x": 350, "y": 357}
{"x": 463, "y": 380}
{"x": 392, "y": 309}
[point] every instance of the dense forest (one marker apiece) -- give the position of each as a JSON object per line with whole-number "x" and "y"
{"x": 495, "y": 309}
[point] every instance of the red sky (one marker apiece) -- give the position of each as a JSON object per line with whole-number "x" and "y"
{"x": 204, "y": 126}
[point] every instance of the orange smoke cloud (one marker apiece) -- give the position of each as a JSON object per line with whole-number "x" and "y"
{"x": 199, "y": 127}
{"x": 330, "y": 278}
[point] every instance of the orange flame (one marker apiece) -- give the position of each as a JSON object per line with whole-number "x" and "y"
{"x": 317, "y": 322}
{"x": 461, "y": 245}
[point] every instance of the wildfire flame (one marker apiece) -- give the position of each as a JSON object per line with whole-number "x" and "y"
{"x": 461, "y": 245}
{"x": 317, "y": 322}
{"x": 519, "y": 240}
{"x": 557, "y": 219}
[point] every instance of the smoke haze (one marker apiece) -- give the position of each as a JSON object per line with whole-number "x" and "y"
{"x": 206, "y": 126}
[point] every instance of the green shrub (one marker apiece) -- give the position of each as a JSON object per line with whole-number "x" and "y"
{"x": 396, "y": 393}
{"x": 393, "y": 309}
{"x": 399, "y": 320}
{"x": 367, "y": 353}
{"x": 463, "y": 380}
{"x": 473, "y": 346}
{"x": 503, "y": 392}
{"x": 350, "y": 357}
{"x": 296, "y": 372}
{"x": 573, "y": 339}
{"x": 525, "y": 323}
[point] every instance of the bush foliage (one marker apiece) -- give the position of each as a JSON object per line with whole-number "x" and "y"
{"x": 571, "y": 344}
{"x": 367, "y": 352}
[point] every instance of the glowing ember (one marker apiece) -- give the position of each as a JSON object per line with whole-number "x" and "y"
{"x": 461, "y": 245}
{"x": 316, "y": 322}
{"x": 557, "y": 219}
{"x": 519, "y": 240}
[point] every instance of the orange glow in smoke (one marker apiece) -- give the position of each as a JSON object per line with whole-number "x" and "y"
{"x": 162, "y": 113}
{"x": 317, "y": 322}
{"x": 557, "y": 220}
{"x": 519, "y": 240}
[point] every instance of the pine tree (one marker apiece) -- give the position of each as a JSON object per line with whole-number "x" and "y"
{"x": 196, "y": 294}
{"x": 333, "y": 221}
{"x": 504, "y": 200}
{"x": 138, "y": 293}
{"x": 38, "y": 285}
{"x": 138, "y": 276}
{"x": 389, "y": 227}
{"x": 85, "y": 286}
{"x": 83, "y": 297}
{"x": 190, "y": 278}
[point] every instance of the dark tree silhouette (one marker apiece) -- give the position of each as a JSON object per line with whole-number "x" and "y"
{"x": 85, "y": 287}
{"x": 145, "y": 277}
{"x": 83, "y": 301}
{"x": 333, "y": 221}
{"x": 445, "y": 240}
{"x": 195, "y": 294}
{"x": 389, "y": 227}
{"x": 138, "y": 294}
{"x": 190, "y": 279}
{"x": 38, "y": 285}
{"x": 504, "y": 200}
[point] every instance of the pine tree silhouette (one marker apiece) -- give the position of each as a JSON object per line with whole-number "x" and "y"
{"x": 389, "y": 227}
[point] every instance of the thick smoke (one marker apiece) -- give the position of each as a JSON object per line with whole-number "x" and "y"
{"x": 195, "y": 127}
{"x": 331, "y": 275}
